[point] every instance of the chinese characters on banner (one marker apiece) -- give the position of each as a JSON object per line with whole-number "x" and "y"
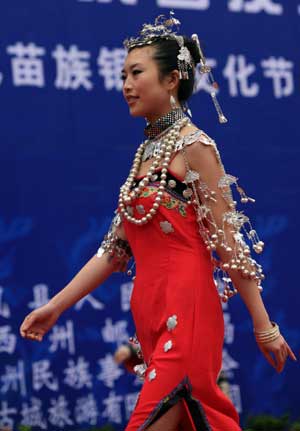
{"x": 270, "y": 7}
{"x": 74, "y": 71}
{"x": 76, "y": 373}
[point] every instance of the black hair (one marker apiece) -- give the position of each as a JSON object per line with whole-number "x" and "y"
{"x": 165, "y": 54}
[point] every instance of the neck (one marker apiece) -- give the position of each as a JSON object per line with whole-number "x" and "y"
{"x": 152, "y": 118}
{"x": 163, "y": 122}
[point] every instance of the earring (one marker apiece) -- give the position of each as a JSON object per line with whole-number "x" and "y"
{"x": 173, "y": 102}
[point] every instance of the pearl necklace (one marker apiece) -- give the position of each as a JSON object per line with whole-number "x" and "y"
{"x": 127, "y": 195}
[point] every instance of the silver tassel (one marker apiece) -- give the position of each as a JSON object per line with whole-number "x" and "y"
{"x": 207, "y": 69}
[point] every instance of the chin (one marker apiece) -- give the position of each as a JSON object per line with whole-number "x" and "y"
{"x": 134, "y": 112}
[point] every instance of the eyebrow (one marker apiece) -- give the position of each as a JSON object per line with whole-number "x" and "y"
{"x": 132, "y": 66}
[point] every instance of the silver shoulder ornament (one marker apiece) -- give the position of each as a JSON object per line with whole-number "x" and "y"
{"x": 117, "y": 249}
{"x": 235, "y": 226}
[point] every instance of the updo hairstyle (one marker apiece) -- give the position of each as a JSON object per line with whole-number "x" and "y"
{"x": 165, "y": 54}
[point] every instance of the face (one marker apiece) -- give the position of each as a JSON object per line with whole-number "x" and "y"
{"x": 147, "y": 96}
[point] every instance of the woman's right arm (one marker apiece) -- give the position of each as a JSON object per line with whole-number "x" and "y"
{"x": 92, "y": 274}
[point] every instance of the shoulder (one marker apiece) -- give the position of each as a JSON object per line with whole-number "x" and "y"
{"x": 201, "y": 150}
{"x": 193, "y": 136}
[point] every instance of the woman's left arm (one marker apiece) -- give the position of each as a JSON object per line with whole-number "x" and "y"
{"x": 223, "y": 234}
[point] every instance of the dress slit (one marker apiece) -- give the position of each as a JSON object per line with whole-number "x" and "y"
{"x": 194, "y": 411}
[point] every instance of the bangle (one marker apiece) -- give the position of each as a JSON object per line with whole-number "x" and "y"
{"x": 118, "y": 250}
{"x": 269, "y": 335}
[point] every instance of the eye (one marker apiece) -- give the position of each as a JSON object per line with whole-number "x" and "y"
{"x": 134, "y": 72}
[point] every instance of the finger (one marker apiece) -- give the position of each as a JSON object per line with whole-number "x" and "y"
{"x": 290, "y": 352}
{"x": 38, "y": 336}
{"x": 28, "y": 321}
{"x": 32, "y": 335}
{"x": 25, "y": 334}
{"x": 281, "y": 357}
{"x": 282, "y": 354}
{"x": 22, "y": 332}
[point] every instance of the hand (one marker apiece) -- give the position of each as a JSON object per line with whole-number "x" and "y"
{"x": 39, "y": 321}
{"x": 122, "y": 354}
{"x": 277, "y": 353}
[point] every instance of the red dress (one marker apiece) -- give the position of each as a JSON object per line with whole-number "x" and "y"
{"x": 177, "y": 313}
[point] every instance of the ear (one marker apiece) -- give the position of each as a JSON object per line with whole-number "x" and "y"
{"x": 172, "y": 80}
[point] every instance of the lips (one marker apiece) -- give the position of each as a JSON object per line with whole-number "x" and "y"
{"x": 131, "y": 99}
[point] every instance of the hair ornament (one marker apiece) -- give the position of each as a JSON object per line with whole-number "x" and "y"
{"x": 164, "y": 28}
{"x": 184, "y": 59}
{"x": 204, "y": 68}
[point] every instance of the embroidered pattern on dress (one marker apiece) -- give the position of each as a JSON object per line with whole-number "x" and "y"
{"x": 167, "y": 201}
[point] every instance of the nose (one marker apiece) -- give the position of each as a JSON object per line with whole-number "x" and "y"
{"x": 127, "y": 85}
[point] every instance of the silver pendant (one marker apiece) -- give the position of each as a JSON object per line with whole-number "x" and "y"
{"x": 172, "y": 184}
{"x": 168, "y": 346}
{"x": 166, "y": 227}
{"x": 172, "y": 322}
{"x": 140, "y": 209}
{"x": 187, "y": 193}
{"x": 148, "y": 151}
{"x": 154, "y": 177}
{"x": 191, "y": 176}
{"x": 140, "y": 370}
{"x": 152, "y": 375}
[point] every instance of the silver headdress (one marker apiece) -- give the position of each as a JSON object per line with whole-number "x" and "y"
{"x": 166, "y": 28}
{"x": 163, "y": 28}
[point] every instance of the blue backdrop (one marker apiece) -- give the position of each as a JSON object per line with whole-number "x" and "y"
{"x": 67, "y": 143}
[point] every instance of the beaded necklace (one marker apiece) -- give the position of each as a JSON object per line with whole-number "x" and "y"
{"x": 152, "y": 130}
{"x": 153, "y": 146}
{"x": 167, "y": 146}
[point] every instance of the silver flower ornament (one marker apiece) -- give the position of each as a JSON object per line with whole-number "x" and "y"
{"x": 166, "y": 227}
{"x": 168, "y": 346}
{"x": 152, "y": 375}
{"x": 172, "y": 322}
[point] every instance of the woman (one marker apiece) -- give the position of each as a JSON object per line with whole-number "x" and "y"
{"x": 177, "y": 216}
